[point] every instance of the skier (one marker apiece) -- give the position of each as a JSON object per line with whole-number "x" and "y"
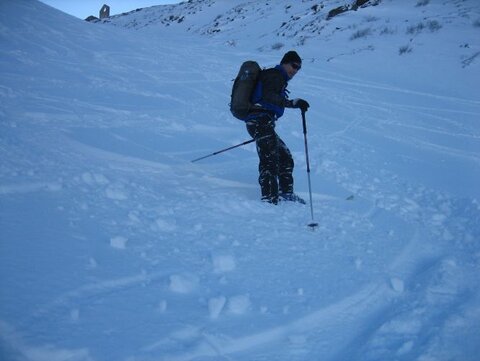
{"x": 270, "y": 99}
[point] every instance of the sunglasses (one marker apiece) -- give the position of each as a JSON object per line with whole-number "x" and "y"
{"x": 296, "y": 66}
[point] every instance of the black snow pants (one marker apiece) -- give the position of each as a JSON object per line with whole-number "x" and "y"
{"x": 275, "y": 160}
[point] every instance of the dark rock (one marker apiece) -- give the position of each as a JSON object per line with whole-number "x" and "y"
{"x": 337, "y": 11}
{"x": 92, "y": 18}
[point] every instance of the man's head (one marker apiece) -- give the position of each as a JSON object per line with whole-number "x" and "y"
{"x": 291, "y": 63}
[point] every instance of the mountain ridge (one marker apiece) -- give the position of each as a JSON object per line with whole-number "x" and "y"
{"x": 293, "y": 24}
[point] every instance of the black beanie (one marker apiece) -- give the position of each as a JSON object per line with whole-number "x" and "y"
{"x": 291, "y": 57}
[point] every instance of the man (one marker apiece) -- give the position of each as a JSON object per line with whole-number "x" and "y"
{"x": 270, "y": 99}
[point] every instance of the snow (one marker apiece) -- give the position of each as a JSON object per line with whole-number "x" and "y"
{"x": 118, "y": 242}
{"x": 115, "y": 246}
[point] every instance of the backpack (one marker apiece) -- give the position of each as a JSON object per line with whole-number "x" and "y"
{"x": 243, "y": 88}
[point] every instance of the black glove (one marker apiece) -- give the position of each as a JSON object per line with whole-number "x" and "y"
{"x": 301, "y": 104}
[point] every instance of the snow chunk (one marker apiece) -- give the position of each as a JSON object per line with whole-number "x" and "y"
{"x": 56, "y": 354}
{"x": 54, "y": 187}
{"x": 397, "y": 284}
{"x": 239, "y": 305}
{"x": 133, "y": 217}
{"x": 438, "y": 219}
{"x": 183, "y": 283}
{"x": 163, "y": 226}
{"x": 92, "y": 263}
{"x": 223, "y": 263}
{"x": 297, "y": 340}
{"x": 162, "y": 306}
{"x": 405, "y": 348}
{"x": 74, "y": 315}
{"x": 216, "y": 305}
{"x": 94, "y": 179}
{"x": 118, "y": 242}
{"x": 116, "y": 193}
{"x": 87, "y": 178}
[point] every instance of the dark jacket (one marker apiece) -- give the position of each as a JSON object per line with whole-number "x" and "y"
{"x": 270, "y": 95}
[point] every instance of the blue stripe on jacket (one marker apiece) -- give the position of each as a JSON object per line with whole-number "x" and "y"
{"x": 256, "y": 98}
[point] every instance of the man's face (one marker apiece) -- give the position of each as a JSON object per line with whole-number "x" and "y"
{"x": 291, "y": 68}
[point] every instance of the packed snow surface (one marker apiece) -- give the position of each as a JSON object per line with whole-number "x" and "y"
{"x": 115, "y": 246}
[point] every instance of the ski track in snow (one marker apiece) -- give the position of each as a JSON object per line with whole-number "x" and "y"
{"x": 324, "y": 320}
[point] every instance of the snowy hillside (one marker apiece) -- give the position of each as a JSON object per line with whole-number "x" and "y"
{"x": 115, "y": 246}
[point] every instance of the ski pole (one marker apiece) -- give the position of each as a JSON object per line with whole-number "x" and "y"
{"x": 223, "y": 150}
{"x": 312, "y": 224}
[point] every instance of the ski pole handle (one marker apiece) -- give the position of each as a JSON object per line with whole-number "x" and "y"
{"x": 304, "y": 123}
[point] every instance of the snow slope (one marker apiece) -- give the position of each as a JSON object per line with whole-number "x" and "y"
{"x": 114, "y": 246}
